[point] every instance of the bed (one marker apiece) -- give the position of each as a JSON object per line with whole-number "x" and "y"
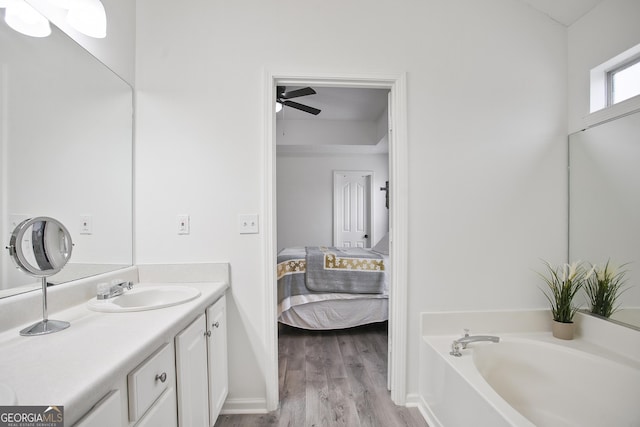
{"x": 333, "y": 288}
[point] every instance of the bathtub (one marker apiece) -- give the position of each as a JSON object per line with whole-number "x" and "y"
{"x": 529, "y": 380}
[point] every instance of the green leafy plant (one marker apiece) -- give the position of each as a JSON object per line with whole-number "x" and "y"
{"x": 603, "y": 286}
{"x": 563, "y": 283}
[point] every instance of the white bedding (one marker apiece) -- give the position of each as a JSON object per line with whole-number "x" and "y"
{"x": 334, "y": 310}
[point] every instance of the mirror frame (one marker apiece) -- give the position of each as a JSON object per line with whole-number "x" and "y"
{"x": 16, "y": 246}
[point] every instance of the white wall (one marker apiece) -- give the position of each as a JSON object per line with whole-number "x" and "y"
{"x": 487, "y": 133}
{"x": 606, "y": 31}
{"x": 117, "y": 49}
{"x": 305, "y": 196}
{"x": 326, "y": 132}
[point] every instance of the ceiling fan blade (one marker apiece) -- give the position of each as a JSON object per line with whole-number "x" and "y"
{"x": 302, "y": 107}
{"x": 296, "y": 93}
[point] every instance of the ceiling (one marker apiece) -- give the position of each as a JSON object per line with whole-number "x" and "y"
{"x": 339, "y": 103}
{"x": 565, "y": 12}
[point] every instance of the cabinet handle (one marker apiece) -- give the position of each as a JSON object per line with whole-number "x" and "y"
{"x": 207, "y": 334}
{"x": 217, "y": 324}
{"x": 162, "y": 377}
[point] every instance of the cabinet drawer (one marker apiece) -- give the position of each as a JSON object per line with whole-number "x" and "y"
{"x": 149, "y": 380}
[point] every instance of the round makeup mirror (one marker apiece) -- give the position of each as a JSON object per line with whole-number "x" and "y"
{"x": 41, "y": 247}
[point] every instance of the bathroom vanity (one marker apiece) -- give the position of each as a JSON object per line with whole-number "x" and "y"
{"x": 155, "y": 367}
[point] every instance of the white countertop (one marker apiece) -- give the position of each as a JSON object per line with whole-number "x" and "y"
{"x": 79, "y": 365}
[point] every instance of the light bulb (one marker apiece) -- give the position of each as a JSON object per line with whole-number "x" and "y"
{"x": 62, "y": 4}
{"x": 26, "y": 20}
{"x": 278, "y": 107}
{"x": 88, "y": 17}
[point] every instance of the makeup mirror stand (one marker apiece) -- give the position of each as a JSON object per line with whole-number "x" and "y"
{"x": 41, "y": 247}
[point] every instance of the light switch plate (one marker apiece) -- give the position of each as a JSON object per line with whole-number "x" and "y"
{"x": 86, "y": 224}
{"x": 248, "y": 224}
{"x": 183, "y": 224}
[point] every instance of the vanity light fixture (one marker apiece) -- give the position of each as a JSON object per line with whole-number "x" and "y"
{"x": 24, "y": 19}
{"x": 88, "y": 17}
{"x": 85, "y": 16}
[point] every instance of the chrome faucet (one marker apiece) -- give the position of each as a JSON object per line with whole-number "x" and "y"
{"x": 106, "y": 291}
{"x": 461, "y": 343}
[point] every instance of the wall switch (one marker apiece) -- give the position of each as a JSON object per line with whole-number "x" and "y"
{"x": 183, "y": 224}
{"x": 86, "y": 224}
{"x": 248, "y": 224}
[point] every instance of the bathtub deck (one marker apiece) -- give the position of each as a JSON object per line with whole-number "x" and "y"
{"x": 332, "y": 378}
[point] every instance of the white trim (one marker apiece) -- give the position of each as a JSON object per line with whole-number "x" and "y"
{"x": 398, "y": 234}
{"x": 598, "y": 79}
{"x": 244, "y": 406}
{"x": 621, "y": 109}
{"x": 270, "y": 233}
{"x": 599, "y": 111}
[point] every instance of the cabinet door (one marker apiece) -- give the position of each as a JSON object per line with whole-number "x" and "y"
{"x": 162, "y": 413}
{"x": 106, "y": 413}
{"x": 191, "y": 364}
{"x": 217, "y": 346}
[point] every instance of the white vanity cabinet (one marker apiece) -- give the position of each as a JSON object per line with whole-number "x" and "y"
{"x": 201, "y": 363}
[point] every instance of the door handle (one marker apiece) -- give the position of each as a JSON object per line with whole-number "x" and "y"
{"x": 366, "y": 236}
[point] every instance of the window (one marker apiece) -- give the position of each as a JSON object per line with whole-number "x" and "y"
{"x": 623, "y": 82}
{"x": 615, "y": 87}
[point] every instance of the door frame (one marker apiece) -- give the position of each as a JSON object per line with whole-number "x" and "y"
{"x": 337, "y": 202}
{"x": 398, "y": 218}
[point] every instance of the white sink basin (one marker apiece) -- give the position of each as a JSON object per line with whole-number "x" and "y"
{"x": 7, "y": 396}
{"x": 145, "y": 297}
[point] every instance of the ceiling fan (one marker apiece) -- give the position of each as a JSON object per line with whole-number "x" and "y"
{"x": 283, "y": 97}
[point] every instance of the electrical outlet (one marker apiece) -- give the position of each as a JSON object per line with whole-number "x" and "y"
{"x": 183, "y": 224}
{"x": 248, "y": 224}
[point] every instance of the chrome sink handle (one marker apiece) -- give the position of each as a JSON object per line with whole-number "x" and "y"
{"x": 106, "y": 291}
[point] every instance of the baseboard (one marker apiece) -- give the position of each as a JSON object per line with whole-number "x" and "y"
{"x": 244, "y": 406}
{"x": 417, "y": 401}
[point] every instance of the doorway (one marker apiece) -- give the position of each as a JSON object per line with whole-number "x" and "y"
{"x": 398, "y": 233}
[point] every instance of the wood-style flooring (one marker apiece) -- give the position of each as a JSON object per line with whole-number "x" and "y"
{"x": 332, "y": 378}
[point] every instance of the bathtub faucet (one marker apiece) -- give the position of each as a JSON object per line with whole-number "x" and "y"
{"x": 461, "y": 343}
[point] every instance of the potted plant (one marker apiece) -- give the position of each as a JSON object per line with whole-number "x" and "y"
{"x": 603, "y": 287}
{"x": 563, "y": 283}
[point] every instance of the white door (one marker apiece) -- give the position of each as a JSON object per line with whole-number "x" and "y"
{"x": 352, "y": 208}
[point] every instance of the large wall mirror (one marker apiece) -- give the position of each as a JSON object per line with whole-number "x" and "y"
{"x": 604, "y": 195}
{"x": 66, "y": 126}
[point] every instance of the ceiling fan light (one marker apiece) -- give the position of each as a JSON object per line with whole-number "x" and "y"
{"x": 88, "y": 17}
{"x": 26, "y": 20}
{"x": 278, "y": 107}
